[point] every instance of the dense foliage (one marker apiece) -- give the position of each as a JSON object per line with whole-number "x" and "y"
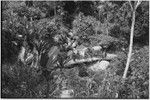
{"x": 50, "y": 32}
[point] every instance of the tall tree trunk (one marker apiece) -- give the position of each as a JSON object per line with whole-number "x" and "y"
{"x": 130, "y": 46}
{"x": 131, "y": 38}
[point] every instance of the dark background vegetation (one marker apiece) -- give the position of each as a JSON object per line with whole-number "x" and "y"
{"x": 41, "y": 21}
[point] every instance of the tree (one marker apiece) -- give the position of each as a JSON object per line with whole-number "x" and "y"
{"x": 107, "y": 12}
{"x": 131, "y": 36}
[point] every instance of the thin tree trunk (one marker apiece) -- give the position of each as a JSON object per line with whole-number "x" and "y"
{"x": 130, "y": 46}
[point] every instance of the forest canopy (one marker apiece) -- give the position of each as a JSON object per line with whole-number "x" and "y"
{"x": 75, "y": 49}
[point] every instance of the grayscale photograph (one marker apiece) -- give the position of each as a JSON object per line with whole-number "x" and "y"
{"x": 95, "y": 49}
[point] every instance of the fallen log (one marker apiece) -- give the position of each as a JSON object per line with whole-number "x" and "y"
{"x": 111, "y": 56}
{"x": 72, "y": 63}
{"x": 80, "y": 61}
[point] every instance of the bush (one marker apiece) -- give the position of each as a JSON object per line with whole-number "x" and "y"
{"x": 19, "y": 80}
